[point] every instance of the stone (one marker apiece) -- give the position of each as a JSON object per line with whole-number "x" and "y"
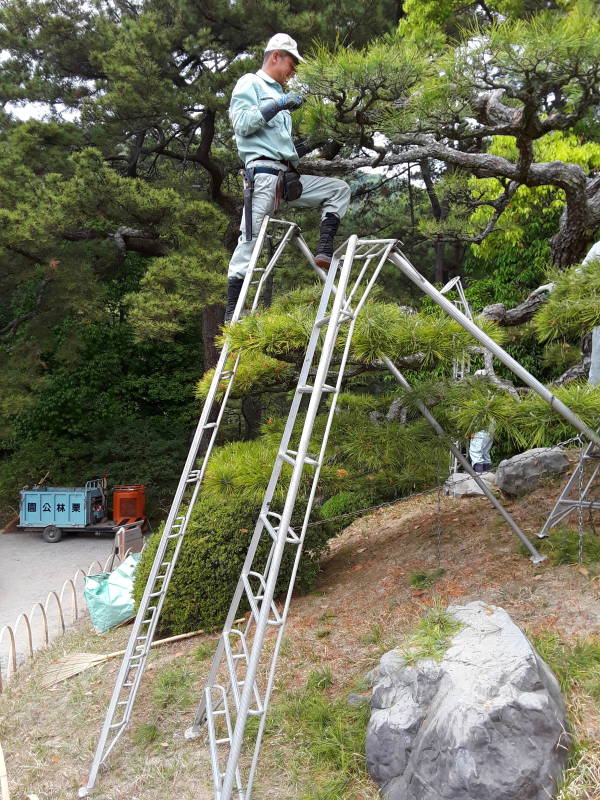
{"x": 459, "y": 484}
{"x": 487, "y": 722}
{"x": 522, "y": 473}
{"x": 358, "y": 699}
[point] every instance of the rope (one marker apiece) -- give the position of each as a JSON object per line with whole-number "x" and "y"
{"x": 437, "y": 488}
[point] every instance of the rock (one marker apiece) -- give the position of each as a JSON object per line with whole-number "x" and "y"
{"x": 522, "y": 473}
{"x": 459, "y": 484}
{"x": 485, "y": 723}
{"x": 357, "y": 700}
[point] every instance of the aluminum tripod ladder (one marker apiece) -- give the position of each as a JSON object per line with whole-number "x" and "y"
{"x": 242, "y": 673}
{"x": 264, "y": 613}
{"x": 144, "y": 626}
{"x": 584, "y": 499}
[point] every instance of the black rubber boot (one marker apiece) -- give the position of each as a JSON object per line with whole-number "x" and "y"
{"x": 329, "y": 226}
{"x": 234, "y": 287}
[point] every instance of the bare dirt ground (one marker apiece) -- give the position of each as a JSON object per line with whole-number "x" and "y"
{"x": 362, "y": 607}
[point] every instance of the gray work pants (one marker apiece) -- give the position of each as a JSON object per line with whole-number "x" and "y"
{"x": 331, "y": 195}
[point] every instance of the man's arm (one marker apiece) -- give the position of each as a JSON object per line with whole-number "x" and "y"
{"x": 247, "y": 116}
{"x": 244, "y": 112}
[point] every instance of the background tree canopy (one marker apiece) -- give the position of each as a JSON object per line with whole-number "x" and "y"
{"x": 468, "y": 131}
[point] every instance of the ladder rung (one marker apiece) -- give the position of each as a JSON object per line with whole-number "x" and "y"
{"x": 306, "y": 389}
{"x": 289, "y": 457}
{"x": 223, "y": 741}
{"x": 209, "y": 425}
{"x": 273, "y": 531}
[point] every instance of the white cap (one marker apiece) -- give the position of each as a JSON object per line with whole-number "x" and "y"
{"x": 281, "y": 41}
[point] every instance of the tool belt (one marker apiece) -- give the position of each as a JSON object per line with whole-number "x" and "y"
{"x": 288, "y": 188}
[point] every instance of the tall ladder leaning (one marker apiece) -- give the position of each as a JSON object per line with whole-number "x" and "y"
{"x": 246, "y": 690}
{"x": 144, "y": 626}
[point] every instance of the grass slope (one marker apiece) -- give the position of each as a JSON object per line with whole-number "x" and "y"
{"x": 367, "y": 602}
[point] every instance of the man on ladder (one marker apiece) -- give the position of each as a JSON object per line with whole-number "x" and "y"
{"x": 262, "y": 123}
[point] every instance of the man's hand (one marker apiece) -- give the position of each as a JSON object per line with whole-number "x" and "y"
{"x": 290, "y": 101}
{"x": 293, "y": 100}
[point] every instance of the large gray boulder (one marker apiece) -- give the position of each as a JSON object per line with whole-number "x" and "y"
{"x": 522, "y": 473}
{"x": 460, "y": 484}
{"x": 485, "y": 723}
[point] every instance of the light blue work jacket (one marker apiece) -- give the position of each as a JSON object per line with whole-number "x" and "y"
{"x": 254, "y": 136}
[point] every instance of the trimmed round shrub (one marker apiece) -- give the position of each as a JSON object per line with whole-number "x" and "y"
{"x": 211, "y": 559}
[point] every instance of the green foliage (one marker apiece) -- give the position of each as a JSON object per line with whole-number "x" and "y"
{"x": 382, "y": 329}
{"x": 211, "y": 559}
{"x": 343, "y": 503}
{"x": 328, "y": 738}
{"x": 425, "y": 579}
{"x": 173, "y": 688}
{"x": 145, "y": 733}
{"x": 562, "y": 545}
{"x": 319, "y": 679}
{"x": 527, "y": 422}
{"x": 573, "y": 307}
{"x": 431, "y": 637}
{"x": 204, "y": 651}
{"x": 576, "y": 665}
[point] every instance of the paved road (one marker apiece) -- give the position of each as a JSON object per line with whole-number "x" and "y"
{"x": 31, "y": 567}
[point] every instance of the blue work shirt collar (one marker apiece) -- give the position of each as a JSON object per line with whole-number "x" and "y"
{"x": 266, "y": 77}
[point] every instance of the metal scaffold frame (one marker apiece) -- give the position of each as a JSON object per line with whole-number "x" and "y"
{"x": 226, "y": 704}
{"x": 584, "y": 486}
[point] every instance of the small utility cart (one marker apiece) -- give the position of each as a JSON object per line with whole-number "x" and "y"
{"x": 57, "y": 510}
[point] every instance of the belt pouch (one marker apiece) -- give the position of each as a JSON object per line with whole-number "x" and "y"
{"x": 292, "y": 186}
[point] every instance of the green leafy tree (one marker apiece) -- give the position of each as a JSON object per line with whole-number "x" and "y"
{"x": 524, "y": 78}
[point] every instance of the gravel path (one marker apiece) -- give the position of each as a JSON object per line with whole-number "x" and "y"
{"x": 31, "y": 567}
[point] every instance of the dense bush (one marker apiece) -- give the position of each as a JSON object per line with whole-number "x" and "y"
{"x": 211, "y": 559}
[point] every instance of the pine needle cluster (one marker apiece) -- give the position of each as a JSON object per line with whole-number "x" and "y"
{"x": 573, "y": 307}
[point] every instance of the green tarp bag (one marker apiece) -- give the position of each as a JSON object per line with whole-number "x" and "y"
{"x": 109, "y": 594}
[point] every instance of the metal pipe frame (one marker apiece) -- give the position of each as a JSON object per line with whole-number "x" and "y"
{"x": 399, "y": 260}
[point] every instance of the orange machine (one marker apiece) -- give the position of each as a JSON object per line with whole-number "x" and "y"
{"x": 129, "y": 504}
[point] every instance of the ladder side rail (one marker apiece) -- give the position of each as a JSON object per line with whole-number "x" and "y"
{"x": 398, "y": 259}
{"x": 239, "y": 306}
{"x": 315, "y": 480}
{"x": 320, "y": 379}
{"x": 286, "y": 436}
{"x": 291, "y": 231}
{"x": 215, "y": 428}
{"x": 102, "y": 752}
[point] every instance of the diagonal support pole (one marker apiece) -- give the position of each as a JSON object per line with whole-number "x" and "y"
{"x": 399, "y": 260}
{"x": 536, "y": 557}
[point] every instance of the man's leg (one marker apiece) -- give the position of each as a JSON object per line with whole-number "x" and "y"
{"x": 263, "y": 200}
{"x": 333, "y": 197}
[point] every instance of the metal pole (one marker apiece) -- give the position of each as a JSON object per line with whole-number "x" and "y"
{"x": 536, "y": 557}
{"x": 400, "y": 261}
